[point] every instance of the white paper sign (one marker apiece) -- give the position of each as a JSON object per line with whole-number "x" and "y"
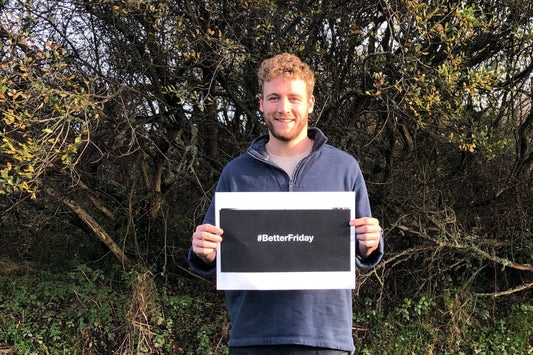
{"x": 285, "y": 240}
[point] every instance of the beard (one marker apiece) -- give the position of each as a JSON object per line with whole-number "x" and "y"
{"x": 289, "y": 133}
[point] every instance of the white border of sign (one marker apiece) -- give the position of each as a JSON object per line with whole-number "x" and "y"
{"x": 286, "y": 280}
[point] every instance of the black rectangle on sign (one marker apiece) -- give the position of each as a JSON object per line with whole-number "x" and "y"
{"x": 285, "y": 240}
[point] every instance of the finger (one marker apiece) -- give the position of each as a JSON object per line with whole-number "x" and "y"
{"x": 203, "y": 251}
{"x": 370, "y": 238}
{"x": 204, "y": 244}
{"x": 369, "y": 245}
{"x": 368, "y": 229}
{"x": 208, "y": 233}
{"x": 364, "y": 221}
{"x": 210, "y": 229}
{"x": 207, "y": 237}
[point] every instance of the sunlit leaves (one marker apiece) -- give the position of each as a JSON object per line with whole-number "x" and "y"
{"x": 429, "y": 65}
{"x": 45, "y": 110}
{"x": 448, "y": 76}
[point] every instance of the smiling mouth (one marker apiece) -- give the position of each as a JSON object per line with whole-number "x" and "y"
{"x": 281, "y": 119}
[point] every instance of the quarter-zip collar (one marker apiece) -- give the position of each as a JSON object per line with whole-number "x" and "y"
{"x": 258, "y": 147}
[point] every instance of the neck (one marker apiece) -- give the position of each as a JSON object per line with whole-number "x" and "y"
{"x": 290, "y": 148}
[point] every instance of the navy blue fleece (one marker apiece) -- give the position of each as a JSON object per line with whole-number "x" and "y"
{"x": 321, "y": 318}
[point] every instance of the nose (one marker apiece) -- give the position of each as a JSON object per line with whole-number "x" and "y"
{"x": 284, "y": 105}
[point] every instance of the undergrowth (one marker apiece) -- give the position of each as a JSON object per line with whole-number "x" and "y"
{"x": 88, "y": 312}
{"x": 438, "y": 325}
{"x": 85, "y": 312}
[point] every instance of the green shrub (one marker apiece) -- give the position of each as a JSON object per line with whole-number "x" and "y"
{"x": 87, "y": 311}
{"x": 427, "y": 325}
{"x": 56, "y": 313}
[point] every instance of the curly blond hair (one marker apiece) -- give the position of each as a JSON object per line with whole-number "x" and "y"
{"x": 289, "y": 65}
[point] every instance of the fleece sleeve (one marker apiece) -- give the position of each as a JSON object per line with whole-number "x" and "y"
{"x": 197, "y": 264}
{"x": 362, "y": 208}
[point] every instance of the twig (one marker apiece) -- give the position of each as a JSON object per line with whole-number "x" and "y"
{"x": 506, "y": 292}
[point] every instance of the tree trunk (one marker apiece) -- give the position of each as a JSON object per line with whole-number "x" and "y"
{"x": 96, "y": 228}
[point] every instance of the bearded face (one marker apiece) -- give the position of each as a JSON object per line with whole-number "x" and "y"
{"x": 286, "y": 106}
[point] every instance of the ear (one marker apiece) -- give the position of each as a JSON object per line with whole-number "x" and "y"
{"x": 311, "y": 104}
{"x": 261, "y": 102}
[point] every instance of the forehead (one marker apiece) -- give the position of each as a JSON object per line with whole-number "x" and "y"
{"x": 284, "y": 85}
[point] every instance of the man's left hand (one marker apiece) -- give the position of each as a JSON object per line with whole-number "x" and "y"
{"x": 368, "y": 234}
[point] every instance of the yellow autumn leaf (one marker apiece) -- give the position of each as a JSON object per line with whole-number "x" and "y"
{"x": 7, "y": 168}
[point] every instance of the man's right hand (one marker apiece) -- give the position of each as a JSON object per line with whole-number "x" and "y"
{"x": 204, "y": 242}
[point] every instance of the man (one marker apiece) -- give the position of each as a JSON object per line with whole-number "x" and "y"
{"x": 291, "y": 157}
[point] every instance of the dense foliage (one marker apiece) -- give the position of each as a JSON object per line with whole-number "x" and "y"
{"x": 117, "y": 116}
